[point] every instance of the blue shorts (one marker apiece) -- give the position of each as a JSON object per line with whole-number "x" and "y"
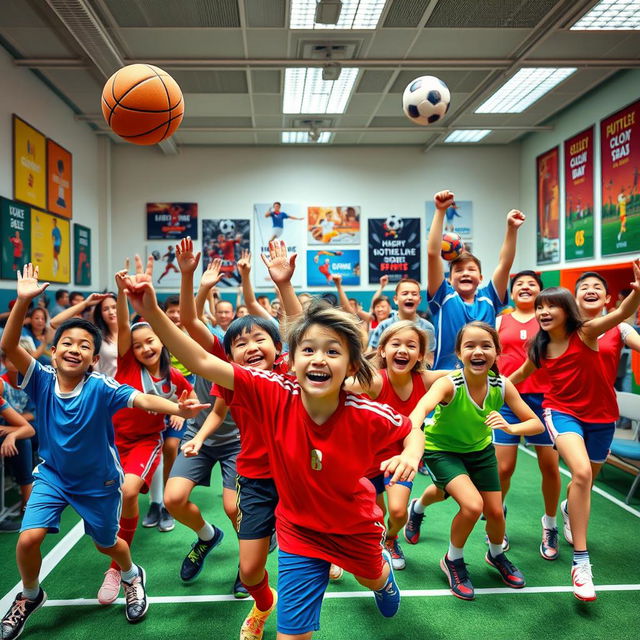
{"x": 101, "y": 515}
{"x": 501, "y": 437}
{"x": 302, "y": 582}
{"x": 597, "y": 436}
{"x": 170, "y": 432}
{"x": 257, "y": 500}
{"x": 380, "y": 482}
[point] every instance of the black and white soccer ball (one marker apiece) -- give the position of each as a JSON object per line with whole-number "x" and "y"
{"x": 426, "y": 100}
{"x": 393, "y": 224}
{"x": 155, "y": 254}
{"x": 227, "y": 227}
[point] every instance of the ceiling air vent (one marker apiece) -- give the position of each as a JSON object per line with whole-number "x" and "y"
{"x": 328, "y": 50}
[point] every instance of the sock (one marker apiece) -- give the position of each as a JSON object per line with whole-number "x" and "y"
{"x": 126, "y": 531}
{"x": 207, "y": 532}
{"x": 156, "y": 489}
{"x": 580, "y": 557}
{"x": 31, "y": 594}
{"x": 418, "y": 507}
{"x": 455, "y": 553}
{"x": 128, "y": 576}
{"x": 495, "y": 549}
{"x": 549, "y": 522}
{"x": 261, "y": 593}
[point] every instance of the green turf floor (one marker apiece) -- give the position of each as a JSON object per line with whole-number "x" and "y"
{"x": 615, "y": 552}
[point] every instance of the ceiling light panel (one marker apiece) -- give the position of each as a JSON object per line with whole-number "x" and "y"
{"x": 468, "y": 135}
{"x": 306, "y": 92}
{"x": 355, "y": 14}
{"x": 303, "y": 137}
{"x": 611, "y": 15}
{"x": 525, "y": 88}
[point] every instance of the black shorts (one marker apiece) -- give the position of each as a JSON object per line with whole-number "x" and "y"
{"x": 257, "y": 499}
{"x": 198, "y": 468}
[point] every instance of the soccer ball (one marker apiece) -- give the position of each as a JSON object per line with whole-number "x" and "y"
{"x": 452, "y": 246}
{"x": 426, "y": 100}
{"x": 393, "y": 224}
{"x": 227, "y": 227}
{"x": 155, "y": 254}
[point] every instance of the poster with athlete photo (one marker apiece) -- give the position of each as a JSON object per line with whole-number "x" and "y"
{"x": 324, "y": 263}
{"x": 620, "y": 162}
{"x": 578, "y": 196}
{"x": 333, "y": 225}
{"x": 225, "y": 239}
{"x": 15, "y": 231}
{"x": 29, "y": 164}
{"x": 283, "y": 221}
{"x": 166, "y": 272}
{"x": 548, "y": 207}
{"x": 82, "y": 254}
{"x": 394, "y": 248}
{"x": 59, "y": 180}
{"x": 458, "y": 218}
{"x": 51, "y": 246}
{"x": 172, "y": 220}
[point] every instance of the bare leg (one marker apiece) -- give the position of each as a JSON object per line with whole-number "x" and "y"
{"x": 169, "y": 455}
{"x": 551, "y": 484}
{"x": 177, "y": 503}
{"x": 494, "y": 514}
{"x": 119, "y": 553}
{"x": 253, "y": 559}
{"x": 29, "y": 556}
{"x": 507, "y": 456}
{"x": 431, "y": 495}
{"x": 463, "y": 491}
{"x": 398, "y": 497}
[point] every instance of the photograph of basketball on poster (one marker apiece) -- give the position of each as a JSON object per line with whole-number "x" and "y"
{"x": 324, "y": 263}
{"x": 172, "y": 220}
{"x": 578, "y": 186}
{"x": 394, "y": 248}
{"x": 51, "y": 246}
{"x": 15, "y": 231}
{"x": 277, "y": 220}
{"x": 620, "y": 162}
{"x": 548, "y": 204}
{"x": 225, "y": 239}
{"x": 82, "y": 254}
{"x": 333, "y": 225}
{"x": 59, "y": 180}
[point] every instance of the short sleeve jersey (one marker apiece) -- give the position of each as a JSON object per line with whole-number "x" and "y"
{"x": 75, "y": 430}
{"x": 450, "y": 313}
{"x": 278, "y": 218}
{"x": 425, "y": 325}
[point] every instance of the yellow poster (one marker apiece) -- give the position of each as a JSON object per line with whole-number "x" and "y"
{"x": 50, "y": 246}
{"x": 29, "y": 164}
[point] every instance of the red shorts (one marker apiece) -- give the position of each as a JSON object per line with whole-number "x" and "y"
{"x": 141, "y": 458}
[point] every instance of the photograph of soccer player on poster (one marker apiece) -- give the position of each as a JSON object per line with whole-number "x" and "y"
{"x": 225, "y": 239}
{"x": 548, "y": 205}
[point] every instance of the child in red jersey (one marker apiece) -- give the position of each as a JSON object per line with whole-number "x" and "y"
{"x": 580, "y": 405}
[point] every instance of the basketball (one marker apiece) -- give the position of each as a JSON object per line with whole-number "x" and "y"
{"x": 452, "y": 246}
{"x": 142, "y": 104}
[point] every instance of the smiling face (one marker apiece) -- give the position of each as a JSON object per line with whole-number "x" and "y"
{"x": 524, "y": 292}
{"x": 477, "y": 351}
{"x": 146, "y": 346}
{"x": 224, "y": 314}
{"x": 382, "y": 310}
{"x": 550, "y": 316}
{"x": 254, "y": 348}
{"x": 109, "y": 313}
{"x": 465, "y": 278}
{"x": 173, "y": 313}
{"x": 402, "y": 351}
{"x": 38, "y": 321}
{"x": 74, "y": 353}
{"x": 592, "y": 296}
{"x": 407, "y": 298}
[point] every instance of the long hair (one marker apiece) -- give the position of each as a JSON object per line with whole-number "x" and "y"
{"x": 560, "y": 297}
{"x": 490, "y": 330}
{"x": 98, "y": 320}
{"x": 394, "y": 329}
{"x": 165, "y": 356}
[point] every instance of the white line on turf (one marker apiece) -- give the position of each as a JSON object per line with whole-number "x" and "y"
{"x": 596, "y": 489}
{"x": 418, "y": 593}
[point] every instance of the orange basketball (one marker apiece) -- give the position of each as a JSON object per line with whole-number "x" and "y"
{"x": 142, "y": 104}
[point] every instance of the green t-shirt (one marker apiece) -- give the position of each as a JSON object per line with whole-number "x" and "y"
{"x": 459, "y": 426}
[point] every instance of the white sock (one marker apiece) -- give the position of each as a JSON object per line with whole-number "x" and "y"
{"x": 455, "y": 553}
{"x": 495, "y": 549}
{"x": 128, "y": 576}
{"x": 418, "y": 507}
{"x": 549, "y": 522}
{"x": 207, "y": 532}
{"x": 157, "y": 485}
{"x": 31, "y": 594}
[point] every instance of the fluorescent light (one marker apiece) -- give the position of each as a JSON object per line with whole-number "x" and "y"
{"x": 302, "y": 137}
{"x": 355, "y": 14}
{"x": 611, "y": 15}
{"x": 527, "y": 86}
{"x": 306, "y": 92}
{"x": 467, "y": 135}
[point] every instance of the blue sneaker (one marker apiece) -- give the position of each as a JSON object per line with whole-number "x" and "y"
{"x": 509, "y": 573}
{"x": 414, "y": 522}
{"x": 194, "y": 561}
{"x": 388, "y": 598}
{"x": 458, "y": 576}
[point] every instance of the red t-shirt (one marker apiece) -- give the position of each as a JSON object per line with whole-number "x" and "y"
{"x": 610, "y": 345}
{"x": 135, "y": 424}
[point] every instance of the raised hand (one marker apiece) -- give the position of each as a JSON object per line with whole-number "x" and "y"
{"x": 95, "y": 298}
{"x": 280, "y": 265}
{"x": 244, "y": 264}
{"x": 515, "y": 218}
{"x": 187, "y": 261}
{"x": 444, "y": 199}
{"x": 384, "y": 281}
{"x": 212, "y": 275}
{"x": 635, "y": 285}
{"x": 28, "y": 287}
{"x": 337, "y": 278}
{"x": 190, "y": 407}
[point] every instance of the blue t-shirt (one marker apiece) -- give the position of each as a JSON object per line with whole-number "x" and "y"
{"x": 278, "y": 218}
{"x": 450, "y": 313}
{"x": 75, "y": 430}
{"x": 376, "y": 334}
{"x": 57, "y": 237}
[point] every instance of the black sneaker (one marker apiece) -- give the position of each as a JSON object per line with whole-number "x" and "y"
{"x": 15, "y": 619}
{"x": 167, "y": 523}
{"x": 194, "y": 560}
{"x": 239, "y": 590}
{"x": 135, "y": 597}
{"x": 153, "y": 516}
{"x": 414, "y": 522}
{"x": 10, "y": 525}
{"x": 459, "y": 581}
{"x": 509, "y": 573}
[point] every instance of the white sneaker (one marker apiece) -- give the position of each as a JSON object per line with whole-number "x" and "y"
{"x": 110, "y": 589}
{"x": 566, "y": 527}
{"x": 583, "y": 588}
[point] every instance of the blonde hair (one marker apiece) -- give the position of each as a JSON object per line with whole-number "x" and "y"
{"x": 394, "y": 329}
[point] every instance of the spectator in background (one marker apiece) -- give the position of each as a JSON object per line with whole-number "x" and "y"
{"x": 61, "y": 303}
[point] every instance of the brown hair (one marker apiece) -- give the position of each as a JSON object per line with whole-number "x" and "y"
{"x": 463, "y": 258}
{"x": 394, "y": 329}
{"x": 409, "y": 281}
{"x": 490, "y": 330}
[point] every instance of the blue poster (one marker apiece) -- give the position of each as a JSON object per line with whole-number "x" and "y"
{"x": 322, "y": 264}
{"x": 458, "y": 218}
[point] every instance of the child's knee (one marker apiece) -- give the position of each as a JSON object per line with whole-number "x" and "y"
{"x": 30, "y": 540}
{"x": 472, "y": 509}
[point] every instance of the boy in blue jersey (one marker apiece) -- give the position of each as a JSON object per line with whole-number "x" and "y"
{"x": 460, "y": 300}
{"x": 79, "y": 462}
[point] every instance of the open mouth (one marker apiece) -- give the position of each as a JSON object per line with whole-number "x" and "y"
{"x": 254, "y": 360}
{"x": 72, "y": 360}
{"x": 524, "y": 294}
{"x": 318, "y": 377}
{"x": 409, "y": 304}
{"x": 591, "y": 297}
{"x": 400, "y": 361}
{"x": 465, "y": 280}
{"x": 478, "y": 362}
{"x": 544, "y": 321}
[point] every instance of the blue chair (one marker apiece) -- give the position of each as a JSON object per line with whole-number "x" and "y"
{"x": 628, "y": 450}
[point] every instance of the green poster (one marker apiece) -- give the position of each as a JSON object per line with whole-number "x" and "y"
{"x": 82, "y": 254}
{"x": 15, "y": 231}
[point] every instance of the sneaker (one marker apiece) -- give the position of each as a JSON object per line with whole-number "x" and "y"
{"x": 239, "y": 590}
{"x": 509, "y": 573}
{"x": 194, "y": 560}
{"x": 15, "y": 619}
{"x": 166, "y": 523}
{"x": 412, "y": 528}
{"x": 397, "y": 557}
{"x": 566, "y": 524}
{"x": 388, "y": 598}
{"x": 582, "y": 578}
{"x": 273, "y": 542}
{"x": 110, "y": 589}
{"x": 335, "y": 572}
{"x": 549, "y": 544}
{"x": 253, "y": 625}
{"x": 505, "y": 542}
{"x": 459, "y": 581}
{"x": 135, "y": 596}
{"x": 153, "y": 516}
{"x": 10, "y": 525}
{"x": 423, "y": 469}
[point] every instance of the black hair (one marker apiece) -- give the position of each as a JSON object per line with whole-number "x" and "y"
{"x": 591, "y": 274}
{"x": 98, "y": 320}
{"x": 526, "y": 272}
{"x": 76, "y": 293}
{"x": 165, "y": 356}
{"x": 559, "y": 297}
{"x": 171, "y": 301}
{"x": 85, "y": 325}
{"x": 244, "y": 325}
{"x": 60, "y": 293}
{"x": 491, "y": 330}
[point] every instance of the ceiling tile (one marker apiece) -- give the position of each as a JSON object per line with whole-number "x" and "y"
{"x": 405, "y": 14}
{"x": 374, "y": 81}
{"x": 267, "y": 43}
{"x": 394, "y": 137}
{"x": 489, "y": 13}
{"x": 226, "y": 138}
{"x": 470, "y": 43}
{"x": 266, "y": 81}
{"x": 265, "y": 13}
{"x": 208, "y": 104}
{"x": 391, "y": 121}
{"x": 33, "y": 42}
{"x": 210, "y": 81}
{"x": 391, "y": 43}
{"x": 238, "y": 121}
{"x": 184, "y": 43}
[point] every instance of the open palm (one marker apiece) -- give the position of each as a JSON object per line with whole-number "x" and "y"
{"x": 187, "y": 260}
{"x": 28, "y": 287}
{"x": 280, "y": 264}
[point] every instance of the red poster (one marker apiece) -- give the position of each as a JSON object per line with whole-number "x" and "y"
{"x": 548, "y": 192}
{"x": 578, "y": 183}
{"x": 620, "y": 156}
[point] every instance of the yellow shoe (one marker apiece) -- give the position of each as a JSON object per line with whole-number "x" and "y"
{"x": 253, "y": 625}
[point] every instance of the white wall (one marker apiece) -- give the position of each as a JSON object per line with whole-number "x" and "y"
{"x": 600, "y": 103}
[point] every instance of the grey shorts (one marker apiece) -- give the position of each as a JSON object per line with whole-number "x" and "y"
{"x": 198, "y": 468}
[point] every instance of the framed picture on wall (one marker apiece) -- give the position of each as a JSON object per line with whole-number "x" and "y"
{"x": 15, "y": 230}
{"x": 548, "y": 207}
{"x": 333, "y": 225}
{"x": 225, "y": 239}
{"x": 324, "y": 263}
{"x": 394, "y": 248}
{"x": 59, "y": 180}
{"x": 51, "y": 246}
{"x": 29, "y": 164}
{"x": 172, "y": 220}
{"x": 81, "y": 255}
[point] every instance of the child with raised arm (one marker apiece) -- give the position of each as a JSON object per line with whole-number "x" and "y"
{"x": 80, "y": 465}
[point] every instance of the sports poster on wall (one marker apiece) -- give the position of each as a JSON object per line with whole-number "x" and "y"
{"x": 333, "y": 225}
{"x": 15, "y": 231}
{"x": 548, "y": 206}
{"x": 81, "y": 254}
{"x": 51, "y": 246}
{"x": 277, "y": 220}
{"x": 394, "y": 248}
{"x": 324, "y": 263}
{"x": 458, "y": 218}
{"x": 29, "y": 164}
{"x": 578, "y": 203}
{"x": 225, "y": 239}
{"x": 166, "y": 272}
{"x": 172, "y": 220}
{"x": 59, "y": 180}
{"x": 620, "y": 162}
